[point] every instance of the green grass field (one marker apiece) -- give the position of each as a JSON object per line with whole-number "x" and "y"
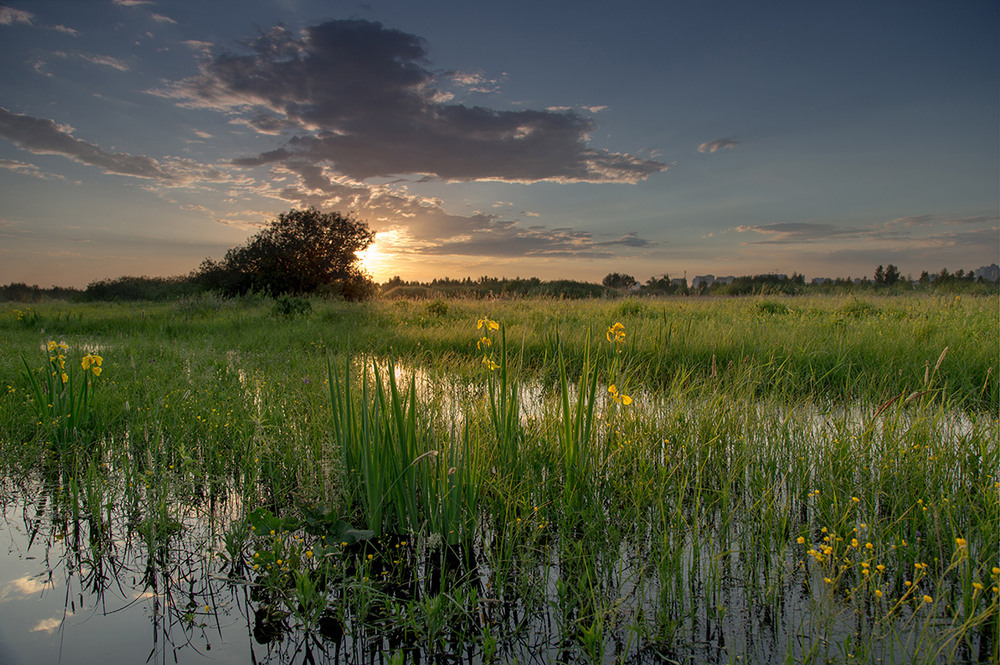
{"x": 390, "y": 477}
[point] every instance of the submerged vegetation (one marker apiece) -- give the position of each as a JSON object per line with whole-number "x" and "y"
{"x": 531, "y": 481}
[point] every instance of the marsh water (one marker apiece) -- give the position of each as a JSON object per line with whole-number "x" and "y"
{"x": 156, "y": 565}
{"x": 78, "y": 590}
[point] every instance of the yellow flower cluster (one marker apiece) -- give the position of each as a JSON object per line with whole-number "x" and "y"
{"x": 93, "y": 363}
{"x": 616, "y": 333}
{"x": 617, "y": 396}
{"x": 488, "y": 324}
{"x": 484, "y": 343}
{"x": 59, "y": 359}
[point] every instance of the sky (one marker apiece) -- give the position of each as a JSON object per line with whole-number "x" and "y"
{"x": 558, "y": 140}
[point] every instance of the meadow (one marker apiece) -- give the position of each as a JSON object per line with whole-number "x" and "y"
{"x": 680, "y": 480}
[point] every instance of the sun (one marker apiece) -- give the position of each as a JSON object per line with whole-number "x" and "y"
{"x": 373, "y": 261}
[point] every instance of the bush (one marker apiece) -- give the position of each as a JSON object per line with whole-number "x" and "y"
{"x": 289, "y": 307}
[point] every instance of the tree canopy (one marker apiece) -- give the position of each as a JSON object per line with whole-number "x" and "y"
{"x": 618, "y": 281}
{"x": 302, "y": 251}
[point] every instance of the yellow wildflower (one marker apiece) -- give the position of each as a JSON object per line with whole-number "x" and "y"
{"x": 616, "y": 333}
{"x": 621, "y": 398}
{"x": 484, "y": 342}
{"x": 488, "y": 324}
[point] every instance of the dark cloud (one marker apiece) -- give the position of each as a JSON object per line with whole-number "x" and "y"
{"x": 718, "y": 144}
{"x": 42, "y": 136}
{"x": 360, "y": 97}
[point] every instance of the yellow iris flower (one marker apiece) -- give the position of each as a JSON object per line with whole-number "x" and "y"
{"x": 93, "y": 363}
{"x": 621, "y": 398}
{"x": 616, "y": 333}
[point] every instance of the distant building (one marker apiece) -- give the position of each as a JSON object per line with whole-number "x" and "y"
{"x": 990, "y": 273}
{"x": 728, "y": 279}
{"x": 702, "y": 280}
{"x": 820, "y": 281}
{"x": 679, "y": 282}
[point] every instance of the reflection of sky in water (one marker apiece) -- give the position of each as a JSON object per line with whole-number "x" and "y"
{"x": 48, "y": 613}
{"x": 46, "y": 625}
{"x": 22, "y": 587}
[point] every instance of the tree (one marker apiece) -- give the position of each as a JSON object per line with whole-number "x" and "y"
{"x": 891, "y": 275}
{"x": 302, "y": 251}
{"x": 619, "y": 281}
{"x": 880, "y": 275}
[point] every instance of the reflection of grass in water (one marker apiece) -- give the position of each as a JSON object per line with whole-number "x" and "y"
{"x": 658, "y": 525}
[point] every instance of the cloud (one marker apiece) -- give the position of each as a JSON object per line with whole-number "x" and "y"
{"x": 160, "y": 18}
{"x": 132, "y": 3}
{"x": 718, "y": 144}
{"x": 475, "y": 81}
{"x": 10, "y": 16}
{"x": 420, "y": 226}
{"x": 44, "y": 137}
{"x": 508, "y": 240}
{"x": 198, "y": 45}
{"x": 27, "y": 169}
{"x": 105, "y": 60}
{"x": 93, "y": 58}
{"x": 797, "y": 232}
{"x": 913, "y": 231}
{"x": 360, "y": 98}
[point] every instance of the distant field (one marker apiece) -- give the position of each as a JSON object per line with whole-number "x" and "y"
{"x": 530, "y": 478}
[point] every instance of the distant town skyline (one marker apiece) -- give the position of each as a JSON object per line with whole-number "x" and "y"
{"x": 138, "y": 137}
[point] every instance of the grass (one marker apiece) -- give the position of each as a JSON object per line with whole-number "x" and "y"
{"x": 382, "y": 474}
